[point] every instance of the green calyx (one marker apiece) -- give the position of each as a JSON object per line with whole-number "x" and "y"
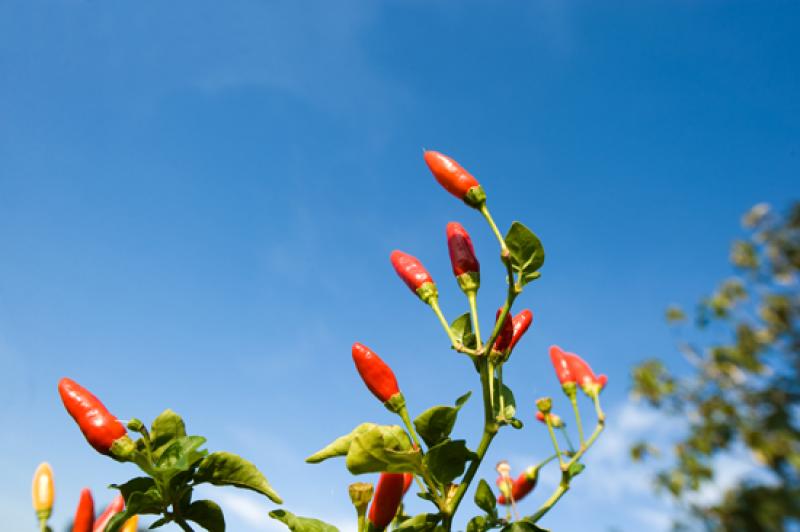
{"x": 469, "y": 282}
{"x": 570, "y": 389}
{"x": 395, "y": 403}
{"x": 360, "y": 495}
{"x": 475, "y": 197}
{"x": 544, "y": 404}
{"x": 428, "y": 292}
{"x": 122, "y": 449}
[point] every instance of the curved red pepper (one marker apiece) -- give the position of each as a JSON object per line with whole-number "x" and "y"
{"x": 386, "y": 501}
{"x": 410, "y": 270}
{"x": 99, "y": 426}
{"x": 408, "y": 478}
{"x": 521, "y": 323}
{"x": 450, "y": 174}
{"x": 602, "y": 380}
{"x": 559, "y": 360}
{"x": 116, "y": 506}
{"x": 506, "y": 336}
{"x": 84, "y": 514}
{"x": 521, "y": 486}
{"x": 378, "y": 377}
{"x": 462, "y": 253}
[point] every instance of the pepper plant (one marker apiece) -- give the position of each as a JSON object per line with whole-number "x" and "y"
{"x": 444, "y": 468}
{"x": 173, "y": 463}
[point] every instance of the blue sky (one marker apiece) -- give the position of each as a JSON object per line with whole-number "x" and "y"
{"x": 198, "y": 201}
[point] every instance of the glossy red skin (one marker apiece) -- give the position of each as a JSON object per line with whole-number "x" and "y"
{"x": 580, "y": 369}
{"x": 378, "y": 377}
{"x": 521, "y": 323}
{"x": 116, "y": 506}
{"x": 450, "y": 174}
{"x": 521, "y": 486}
{"x": 559, "y": 360}
{"x": 410, "y": 270}
{"x": 84, "y": 514}
{"x": 386, "y": 501}
{"x": 408, "y": 478}
{"x": 462, "y": 253}
{"x": 504, "y": 339}
{"x": 99, "y": 426}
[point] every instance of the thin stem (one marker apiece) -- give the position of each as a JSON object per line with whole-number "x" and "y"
{"x": 600, "y": 414}
{"x": 485, "y": 212}
{"x": 502, "y": 400}
{"x": 566, "y": 437}
{"x": 362, "y": 521}
{"x": 490, "y": 371}
{"x": 573, "y": 398}
{"x": 431, "y": 486}
{"x": 453, "y": 341}
{"x": 553, "y": 439}
{"x": 473, "y": 308}
{"x": 559, "y": 492}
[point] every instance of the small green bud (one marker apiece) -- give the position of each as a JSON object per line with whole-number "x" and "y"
{"x": 361, "y": 494}
{"x": 544, "y": 404}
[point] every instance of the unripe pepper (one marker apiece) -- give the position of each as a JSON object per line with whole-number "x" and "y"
{"x": 99, "y": 426}
{"x": 387, "y": 499}
{"x": 414, "y": 274}
{"x": 465, "y": 264}
{"x": 84, "y": 514}
{"x": 43, "y": 491}
{"x": 521, "y": 486}
{"x": 378, "y": 377}
{"x": 116, "y": 506}
{"x": 131, "y": 525}
{"x": 455, "y": 179}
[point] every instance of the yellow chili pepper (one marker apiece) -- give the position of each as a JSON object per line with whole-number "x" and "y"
{"x": 130, "y": 525}
{"x": 43, "y": 493}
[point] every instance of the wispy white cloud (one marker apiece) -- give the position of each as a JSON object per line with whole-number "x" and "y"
{"x": 256, "y": 514}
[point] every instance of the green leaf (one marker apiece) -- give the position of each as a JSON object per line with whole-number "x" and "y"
{"x": 227, "y": 469}
{"x": 207, "y": 514}
{"x": 462, "y": 329}
{"x": 135, "y": 484}
{"x": 447, "y": 460}
{"x": 485, "y": 499}
{"x": 180, "y": 455}
{"x": 301, "y": 524}
{"x": 419, "y": 523}
{"x": 523, "y": 525}
{"x": 435, "y": 424}
{"x": 478, "y": 524}
{"x": 138, "y": 502}
{"x": 527, "y": 252}
{"x": 575, "y": 469}
{"x": 168, "y": 426}
{"x": 383, "y": 448}
{"x": 161, "y": 522}
{"x": 509, "y": 403}
{"x": 340, "y": 445}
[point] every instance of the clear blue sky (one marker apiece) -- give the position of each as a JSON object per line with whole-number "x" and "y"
{"x": 198, "y": 200}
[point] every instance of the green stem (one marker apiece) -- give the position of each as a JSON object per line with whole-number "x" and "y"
{"x": 600, "y": 414}
{"x": 473, "y": 308}
{"x": 438, "y": 311}
{"x": 566, "y": 437}
{"x": 485, "y": 212}
{"x": 559, "y": 492}
{"x": 502, "y": 400}
{"x": 362, "y": 521}
{"x": 490, "y": 371}
{"x": 553, "y": 439}
{"x": 431, "y": 486}
{"x": 573, "y": 398}
{"x": 43, "y": 525}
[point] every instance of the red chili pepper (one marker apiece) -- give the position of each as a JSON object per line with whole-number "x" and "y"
{"x": 602, "y": 380}
{"x": 540, "y": 417}
{"x": 559, "y": 360}
{"x": 387, "y": 499}
{"x": 378, "y": 377}
{"x": 408, "y": 478}
{"x": 414, "y": 274}
{"x": 84, "y": 515}
{"x": 99, "y": 426}
{"x": 521, "y": 323}
{"x": 583, "y": 373}
{"x": 462, "y": 253}
{"x": 503, "y": 340}
{"x": 555, "y": 420}
{"x": 116, "y": 506}
{"x": 521, "y": 486}
{"x": 454, "y": 178}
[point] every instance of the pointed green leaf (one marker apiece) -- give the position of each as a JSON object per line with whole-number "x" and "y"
{"x": 462, "y": 329}
{"x": 527, "y": 252}
{"x": 167, "y": 427}
{"x": 435, "y": 424}
{"x": 301, "y": 524}
{"x": 227, "y": 469}
{"x": 485, "y": 499}
{"x": 134, "y": 484}
{"x": 478, "y": 524}
{"x": 207, "y": 514}
{"x": 340, "y": 445}
{"x": 523, "y": 525}
{"x": 138, "y": 502}
{"x": 161, "y": 522}
{"x": 509, "y": 403}
{"x": 419, "y": 523}
{"x": 383, "y": 448}
{"x": 575, "y": 469}
{"x": 447, "y": 460}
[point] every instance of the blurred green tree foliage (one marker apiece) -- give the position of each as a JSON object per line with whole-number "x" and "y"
{"x": 743, "y": 389}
